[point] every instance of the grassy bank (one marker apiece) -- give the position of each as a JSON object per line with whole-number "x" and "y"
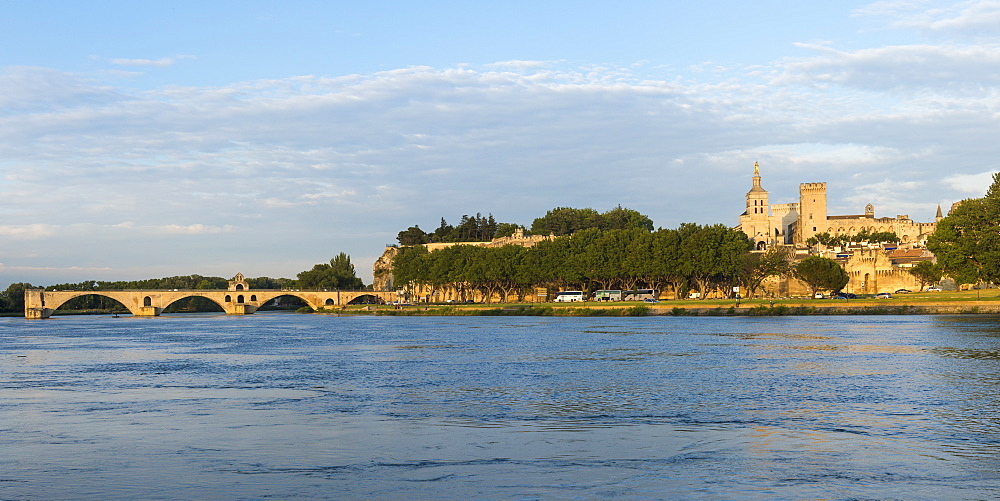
{"x": 929, "y": 303}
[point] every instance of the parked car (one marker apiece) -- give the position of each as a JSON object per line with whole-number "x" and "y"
{"x": 844, "y": 295}
{"x": 883, "y": 295}
{"x": 903, "y": 291}
{"x": 932, "y": 289}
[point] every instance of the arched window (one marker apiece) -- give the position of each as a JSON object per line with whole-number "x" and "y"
{"x": 253, "y": 298}
{"x": 147, "y": 301}
{"x": 239, "y": 299}
{"x": 239, "y": 287}
{"x": 329, "y": 302}
{"x": 229, "y": 299}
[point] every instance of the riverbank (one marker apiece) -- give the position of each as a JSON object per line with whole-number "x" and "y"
{"x": 948, "y": 303}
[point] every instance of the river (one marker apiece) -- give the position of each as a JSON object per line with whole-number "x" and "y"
{"x": 325, "y": 407}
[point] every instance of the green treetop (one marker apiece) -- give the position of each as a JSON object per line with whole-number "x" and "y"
{"x": 967, "y": 242}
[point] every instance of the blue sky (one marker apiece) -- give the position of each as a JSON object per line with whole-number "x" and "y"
{"x": 142, "y": 139}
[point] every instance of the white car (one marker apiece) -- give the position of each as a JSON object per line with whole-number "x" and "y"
{"x": 932, "y": 289}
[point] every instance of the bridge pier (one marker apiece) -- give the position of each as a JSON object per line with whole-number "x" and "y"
{"x": 148, "y": 311}
{"x": 37, "y": 313}
{"x": 241, "y": 309}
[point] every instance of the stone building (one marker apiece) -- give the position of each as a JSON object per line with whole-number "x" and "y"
{"x": 872, "y": 267}
{"x": 795, "y": 223}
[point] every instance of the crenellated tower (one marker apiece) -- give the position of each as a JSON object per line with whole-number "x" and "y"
{"x": 812, "y": 210}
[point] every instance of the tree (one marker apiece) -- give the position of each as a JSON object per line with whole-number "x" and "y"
{"x": 565, "y": 221}
{"x": 710, "y": 254}
{"x": 506, "y": 229}
{"x": 926, "y": 273}
{"x": 13, "y": 298}
{"x": 443, "y": 233}
{"x": 412, "y": 236}
{"x": 967, "y": 242}
{"x": 339, "y": 274}
{"x": 755, "y": 267}
{"x": 820, "y": 273}
{"x": 621, "y": 218}
{"x": 409, "y": 265}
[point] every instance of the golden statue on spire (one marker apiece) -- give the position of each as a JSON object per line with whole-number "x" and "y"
{"x": 756, "y": 168}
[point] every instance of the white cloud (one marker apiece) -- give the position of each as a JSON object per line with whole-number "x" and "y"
{"x": 37, "y": 90}
{"x": 191, "y": 229}
{"x": 73, "y": 269}
{"x": 964, "y": 68}
{"x": 975, "y": 185}
{"x": 27, "y": 231}
{"x": 159, "y": 63}
{"x": 974, "y": 17}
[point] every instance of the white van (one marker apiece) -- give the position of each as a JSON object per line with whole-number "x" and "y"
{"x": 569, "y": 296}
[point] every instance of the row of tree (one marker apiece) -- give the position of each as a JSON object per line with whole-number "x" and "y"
{"x": 470, "y": 229}
{"x": 566, "y": 221}
{"x": 558, "y": 221}
{"x": 863, "y": 236}
{"x": 691, "y": 257}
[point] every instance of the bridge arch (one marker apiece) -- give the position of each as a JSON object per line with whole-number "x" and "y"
{"x": 283, "y": 301}
{"x": 367, "y": 299}
{"x": 194, "y": 299}
{"x": 54, "y": 304}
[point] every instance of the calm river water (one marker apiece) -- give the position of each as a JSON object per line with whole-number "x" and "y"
{"x": 314, "y": 406}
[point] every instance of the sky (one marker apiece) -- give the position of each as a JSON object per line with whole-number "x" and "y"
{"x": 151, "y": 139}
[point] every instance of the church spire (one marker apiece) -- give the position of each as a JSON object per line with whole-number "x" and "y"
{"x": 939, "y": 215}
{"x": 756, "y": 178}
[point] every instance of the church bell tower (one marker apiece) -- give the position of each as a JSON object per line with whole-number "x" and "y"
{"x": 756, "y": 221}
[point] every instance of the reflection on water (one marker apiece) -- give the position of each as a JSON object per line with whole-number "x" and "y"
{"x": 324, "y": 407}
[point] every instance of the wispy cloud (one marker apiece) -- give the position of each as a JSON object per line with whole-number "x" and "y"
{"x": 975, "y": 185}
{"x": 159, "y": 63}
{"x": 966, "y": 18}
{"x": 910, "y": 67}
{"x": 193, "y": 229}
{"x": 27, "y": 231}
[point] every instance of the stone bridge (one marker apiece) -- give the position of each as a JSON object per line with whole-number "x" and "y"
{"x": 148, "y": 303}
{"x": 239, "y": 299}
